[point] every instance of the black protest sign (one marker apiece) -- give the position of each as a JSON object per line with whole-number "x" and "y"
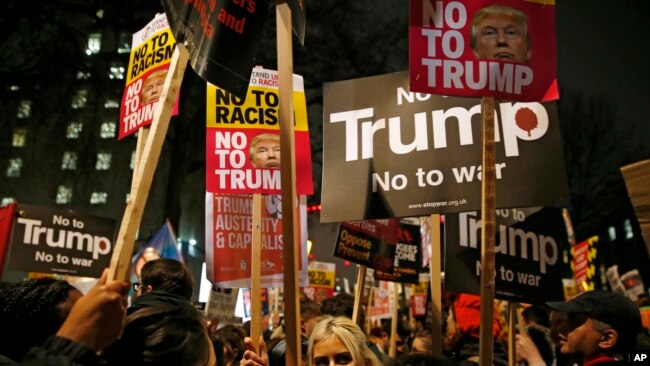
{"x": 406, "y": 263}
{"x": 370, "y": 243}
{"x": 221, "y": 37}
{"x": 528, "y": 254}
{"x": 388, "y": 152}
{"x": 57, "y": 241}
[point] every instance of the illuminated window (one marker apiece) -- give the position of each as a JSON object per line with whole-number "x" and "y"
{"x": 128, "y": 197}
{"x": 107, "y": 130}
{"x": 20, "y": 134}
{"x": 7, "y": 200}
{"x": 24, "y": 109}
{"x": 64, "y": 195}
{"x": 124, "y": 43}
{"x": 79, "y": 100}
{"x": 627, "y": 226}
{"x": 83, "y": 75}
{"x": 111, "y": 104}
{"x": 74, "y": 130}
{"x": 611, "y": 231}
{"x": 116, "y": 71}
{"x": 103, "y": 161}
{"x": 94, "y": 43}
{"x": 14, "y": 166}
{"x": 69, "y": 160}
{"x": 98, "y": 198}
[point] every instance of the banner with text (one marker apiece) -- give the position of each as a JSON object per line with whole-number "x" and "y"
{"x": 502, "y": 48}
{"x": 151, "y": 55}
{"x": 229, "y": 230}
{"x": 406, "y": 263}
{"x": 322, "y": 280}
{"x": 370, "y": 243}
{"x": 221, "y": 38}
{"x": 528, "y": 254}
{"x": 59, "y": 241}
{"x": 243, "y": 141}
{"x": 388, "y": 152}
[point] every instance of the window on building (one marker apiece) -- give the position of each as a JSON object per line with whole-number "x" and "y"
{"x": 124, "y": 43}
{"x": 611, "y": 232}
{"x": 94, "y": 43}
{"x": 128, "y": 197}
{"x": 74, "y": 130}
{"x": 111, "y": 104}
{"x": 83, "y": 75}
{"x": 79, "y": 100}
{"x": 69, "y": 161}
{"x": 7, "y": 200}
{"x": 132, "y": 163}
{"x": 14, "y": 166}
{"x": 98, "y": 198}
{"x": 18, "y": 140}
{"x": 103, "y": 161}
{"x": 107, "y": 130}
{"x": 24, "y": 109}
{"x": 627, "y": 227}
{"x": 64, "y": 195}
{"x": 116, "y": 71}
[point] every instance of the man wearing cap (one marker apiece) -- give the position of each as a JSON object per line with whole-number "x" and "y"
{"x": 603, "y": 327}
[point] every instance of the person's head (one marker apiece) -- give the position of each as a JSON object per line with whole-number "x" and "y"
{"x": 232, "y": 337}
{"x": 500, "y": 33}
{"x": 339, "y": 340}
{"x": 163, "y": 335}
{"x": 152, "y": 86}
{"x": 166, "y": 275}
{"x": 265, "y": 151}
{"x": 31, "y": 311}
{"x": 310, "y": 311}
{"x": 342, "y": 304}
{"x": 422, "y": 342}
{"x": 536, "y": 315}
{"x": 600, "y": 322}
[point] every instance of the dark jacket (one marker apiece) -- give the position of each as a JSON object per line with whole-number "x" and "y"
{"x": 56, "y": 351}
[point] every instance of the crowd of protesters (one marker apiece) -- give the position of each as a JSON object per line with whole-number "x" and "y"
{"x": 48, "y": 322}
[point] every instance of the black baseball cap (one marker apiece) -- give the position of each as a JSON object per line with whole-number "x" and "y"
{"x": 612, "y": 308}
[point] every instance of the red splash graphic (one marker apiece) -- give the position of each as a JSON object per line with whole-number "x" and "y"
{"x": 526, "y": 119}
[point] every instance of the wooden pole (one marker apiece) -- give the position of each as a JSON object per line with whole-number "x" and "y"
{"x": 256, "y": 264}
{"x": 512, "y": 352}
{"x": 436, "y": 285}
{"x": 290, "y": 232}
{"x": 392, "y": 351}
{"x": 358, "y": 294}
{"x": 146, "y": 167}
{"x": 488, "y": 219}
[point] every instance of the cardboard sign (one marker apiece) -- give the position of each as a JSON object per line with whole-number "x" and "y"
{"x": 528, "y": 254}
{"x": 243, "y": 141}
{"x": 370, "y": 243}
{"x": 58, "y": 241}
{"x": 388, "y": 152}
{"x": 502, "y": 48}
{"x": 322, "y": 280}
{"x": 151, "y": 56}
{"x": 583, "y": 258}
{"x": 228, "y": 230}
{"x": 406, "y": 263}
{"x": 221, "y": 37}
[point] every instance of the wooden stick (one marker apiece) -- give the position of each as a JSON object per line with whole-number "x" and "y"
{"x": 256, "y": 264}
{"x": 290, "y": 232}
{"x": 392, "y": 351}
{"x": 512, "y": 352}
{"x": 358, "y": 294}
{"x": 143, "y": 175}
{"x": 488, "y": 219}
{"x": 143, "y": 134}
{"x": 436, "y": 285}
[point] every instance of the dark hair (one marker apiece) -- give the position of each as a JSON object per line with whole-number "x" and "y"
{"x": 168, "y": 275}
{"x": 538, "y": 314}
{"x": 420, "y": 359}
{"x": 161, "y": 335}
{"x": 232, "y": 336}
{"x": 309, "y": 308}
{"x": 31, "y": 311}
{"x": 342, "y": 305}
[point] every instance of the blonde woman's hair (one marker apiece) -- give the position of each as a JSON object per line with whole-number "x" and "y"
{"x": 346, "y": 331}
